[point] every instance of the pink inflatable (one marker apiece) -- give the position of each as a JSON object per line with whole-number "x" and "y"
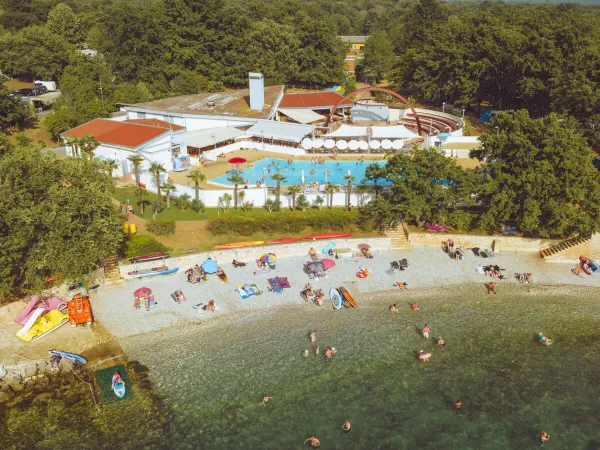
{"x": 37, "y": 302}
{"x": 424, "y": 356}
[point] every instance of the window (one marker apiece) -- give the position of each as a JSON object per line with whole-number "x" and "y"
{"x": 141, "y": 115}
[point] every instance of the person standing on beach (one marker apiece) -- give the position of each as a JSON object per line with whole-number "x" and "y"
{"x": 314, "y": 442}
{"x": 313, "y": 338}
{"x": 490, "y": 287}
{"x": 425, "y": 331}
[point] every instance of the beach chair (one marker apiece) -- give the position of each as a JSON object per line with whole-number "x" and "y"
{"x": 395, "y": 265}
{"x": 403, "y": 264}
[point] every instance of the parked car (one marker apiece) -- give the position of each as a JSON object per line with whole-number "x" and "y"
{"x": 40, "y": 88}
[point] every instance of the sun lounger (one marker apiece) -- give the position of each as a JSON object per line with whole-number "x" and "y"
{"x": 403, "y": 264}
{"x": 395, "y": 265}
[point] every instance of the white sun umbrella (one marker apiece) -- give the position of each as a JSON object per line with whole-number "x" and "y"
{"x": 397, "y": 144}
{"x": 342, "y": 145}
{"x": 318, "y": 143}
{"x": 374, "y": 144}
{"x": 386, "y": 144}
{"x": 353, "y": 144}
{"x": 329, "y": 143}
{"x": 363, "y": 145}
{"x": 307, "y": 143}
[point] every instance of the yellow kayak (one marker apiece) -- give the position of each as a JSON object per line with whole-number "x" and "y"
{"x": 238, "y": 244}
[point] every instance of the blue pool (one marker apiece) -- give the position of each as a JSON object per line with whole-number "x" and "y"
{"x": 329, "y": 171}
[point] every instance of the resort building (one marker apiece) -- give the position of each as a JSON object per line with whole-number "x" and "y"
{"x": 354, "y": 49}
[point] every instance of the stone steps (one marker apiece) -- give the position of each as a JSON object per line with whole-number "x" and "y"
{"x": 398, "y": 235}
{"x": 112, "y": 273}
{"x": 564, "y": 245}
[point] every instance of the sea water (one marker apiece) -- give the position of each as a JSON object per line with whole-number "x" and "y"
{"x": 212, "y": 377}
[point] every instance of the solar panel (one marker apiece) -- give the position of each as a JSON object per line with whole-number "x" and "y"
{"x": 212, "y": 97}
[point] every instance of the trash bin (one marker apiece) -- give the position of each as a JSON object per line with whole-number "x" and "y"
{"x": 125, "y": 228}
{"x": 132, "y": 228}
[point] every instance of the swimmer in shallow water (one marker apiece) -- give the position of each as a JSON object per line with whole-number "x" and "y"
{"x": 458, "y": 404}
{"x": 394, "y": 309}
{"x": 305, "y": 353}
{"x": 441, "y": 342}
{"x": 266, "y": 399}
{"x": 425, "y": 331}
{"x": 544, "y": 437}
{"x": 347, "y": 426}
{"x": 314, "y": 442}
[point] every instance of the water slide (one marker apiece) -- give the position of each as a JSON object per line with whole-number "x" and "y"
{"x": 22, "y": 318}
{"x": 32, "y": 319}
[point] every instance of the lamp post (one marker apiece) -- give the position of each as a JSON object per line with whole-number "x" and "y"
{"x": 463, "y": 113}
{"x": 443, "y": 106}
{"x": 497, "y": 131}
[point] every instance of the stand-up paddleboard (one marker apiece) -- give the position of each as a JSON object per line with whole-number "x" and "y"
{"x": 238, "y": 245}
{"x": 70, "y": 356}
{"x": 347, "y": 297}
{"x": 152, "y": 257}
{"x": 119, "y": 390}
{"x": 35, "y": 316}
{"x": 336, "y": 298}
{"x": 327, "y": 235}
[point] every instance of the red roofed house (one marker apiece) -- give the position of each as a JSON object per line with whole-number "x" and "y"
{"x": 309, "y": 107}
{"x": 149, "y": 138}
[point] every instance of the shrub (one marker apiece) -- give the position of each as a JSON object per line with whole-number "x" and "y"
{"x": 302, "y": 202}
{"x": 246, "y": 206}
{"x": 143, "y": 244}
{"x": 198, "y": 206}
{"x": 161, "y": 227}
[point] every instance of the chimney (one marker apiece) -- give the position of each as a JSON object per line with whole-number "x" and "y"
{"x": 257, "y": 91}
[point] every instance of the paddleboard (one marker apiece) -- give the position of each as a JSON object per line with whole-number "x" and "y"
{"x": 119, "y": 390}
{"x": 283, "y": 240}
{"x": 349, "y": 299}
{"x": 336, "y": 298}
{"x": 222, "y": 276}
{"x": 71, "y": 356}
{"x": 238, "y": 244}
{"x": 152, "y": 257}
{"x": 152, "y": 272}
{"x": 327, "y": 235}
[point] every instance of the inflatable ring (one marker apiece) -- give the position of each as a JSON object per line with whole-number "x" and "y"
{"x": 425, "y": 356}
{"x": 361, "y": 275}
{"x": 330, "y": 245}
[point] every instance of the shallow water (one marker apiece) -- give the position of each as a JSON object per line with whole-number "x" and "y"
{"x": 213, "y": 376}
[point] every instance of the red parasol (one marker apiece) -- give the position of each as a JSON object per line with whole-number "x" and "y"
{"x": 237, "y": 161}
{"x": 328, "y": 263}
{"x": 142, "y": 292}
{"x": 364, "y": 246}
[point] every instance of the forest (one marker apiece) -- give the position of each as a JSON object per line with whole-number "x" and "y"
{"x": 544, "y": 58}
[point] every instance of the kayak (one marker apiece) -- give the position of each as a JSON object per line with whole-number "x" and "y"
{"x": 222, "y": 276}
{"x": 71, "y": 356}
{"x": 283, "y": 240}
{"x": 152, "y": 257}
{"x": 238, "y": 244}
{"x": 336, "y": 298}
{"x": 119, "y": 390}
{"x": 152, "y": 272}
{"x": 327, "y": 235}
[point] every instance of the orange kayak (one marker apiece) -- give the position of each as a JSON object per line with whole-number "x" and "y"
{"x": 238, "y": 244}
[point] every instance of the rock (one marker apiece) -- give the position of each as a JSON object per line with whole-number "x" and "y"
{"x": 6, "y": 394}
{"x": 29, "y": 370}
{"x": 41, "y": 367}
{"x": 13, "y": 379}
{"x": 17, "y": 387}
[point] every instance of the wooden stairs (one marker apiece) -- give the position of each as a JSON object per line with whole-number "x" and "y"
{"x": 399, "y": 236}
{"x": 112, "y": 273}
{"x": 564, "y": 245}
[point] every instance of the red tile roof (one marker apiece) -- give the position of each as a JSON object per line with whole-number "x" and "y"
{"x": 313, "y": 100}
{"x": 156, "y": 123}
{"x": 117, "y": 133}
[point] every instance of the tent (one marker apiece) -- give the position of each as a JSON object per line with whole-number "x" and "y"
{"x": 348, "y": 131}
{"x": 395, "y": 132}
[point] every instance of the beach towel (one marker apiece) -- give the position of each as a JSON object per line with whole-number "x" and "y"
{"x": 274, "y": 285}
{"x": 283, "y": 282}
{"x": 104, "y": 378}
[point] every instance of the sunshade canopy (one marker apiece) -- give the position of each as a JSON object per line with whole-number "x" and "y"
{"x": 142, "y": 292}
{"x": 315, "y": 266}
{"x": 237, "y": 160}
{"x": 328, "y": 263}
{"x": 210, "y": 266}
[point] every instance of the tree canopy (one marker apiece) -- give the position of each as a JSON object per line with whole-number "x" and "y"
{"x": 56, "y": 218}
{"x": 379, "y": 55}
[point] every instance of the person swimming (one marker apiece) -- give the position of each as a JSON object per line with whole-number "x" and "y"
{"x": 394, "y": 309}
{"x": 329, "y": 354}
{"x": 313, "y": 338}
{"x": 544, "y": 437}
{"x": 414, "y": 307}
{"x": 425, "y": 331}
{"x": 316, "y": 351}
{"x": 441, "y": 342}
{"x": 305, "y": 353}
{"x": 347, "y": 426}
{"x": 458, "y": 404}
{"x": 314, "y": 442}
{"x": 544, "y": 339}
{"x": 266, "y": 399}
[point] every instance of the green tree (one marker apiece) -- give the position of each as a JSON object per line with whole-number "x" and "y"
{"x": 186, "y": 82}
{"x": 197, "y": 177}
{"x": 539, "y": 176}
{"x": 132, "y": 93}
{"x": 110, "y": 165}
{"x": 350, "y": 84}
{"x": 87, "y": 145}
{"x": 143, "y": 201}
{"x": 63, "y": 21}
{"x": 225, "y": 202}
{"x": 60, "y": 120}
{"x": 349, "y": 179}
{"x": 168, "y": 187}
{"x": 375, "y": 173}
{"x": 278, "y": 178}
{"x": 362, "y": 189}
{"x": 12, "y": 109}
{"x": 156, "y": 169}
{"x": 331, "y": 189}
{"x": 52, "y": 227}
{"x": 293, "y": 191}
{"x": 378, "y": 55}
{"x": 137, "y": 161}
{"x": 236, "y": 179}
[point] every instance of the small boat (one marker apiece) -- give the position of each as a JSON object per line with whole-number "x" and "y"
{"x": 163, "y": 270}
{"x": 222, "y": 275}
{"x": 327, "y": 235}
{"x": 152, "y": 257}
{"x": 336, "y": 298}
{"x": 238, "y": 244}
{"x": 119, "y": 390}
{"x": 283, "y": 240}
{"x": 80, "y": 311}
{"x": 70, "y": 356}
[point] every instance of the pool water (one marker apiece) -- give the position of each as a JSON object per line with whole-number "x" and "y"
{"x": 329, "y": 171}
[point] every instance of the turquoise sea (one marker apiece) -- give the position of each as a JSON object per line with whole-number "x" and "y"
{"x": 205, "y": 382}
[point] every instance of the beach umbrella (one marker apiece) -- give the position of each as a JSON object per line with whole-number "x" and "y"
{"x": 386, "y": 144}
{"x": 353, "y": 144}
{"x": 363, "y": 145}
{"x": 397, "y": 144}
{"x": 307, "y": 143}
{"x": 364, "y": 246}
{"x": 141, "y": 292}
{"x": 210, "y": 266}
{"x": 315, "y": 266}
{"x": 342, "y": 145}
{"x": 374, "y": 144}
{"x": 237, "y": 161}
{"x": 318, "y": 143}
{"x": 268, "y": 258}
{"x": 329, "y": 143}
{"x": 328, "y": 263}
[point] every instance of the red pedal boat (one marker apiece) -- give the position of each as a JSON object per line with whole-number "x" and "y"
{"x": 153, "y": 257}
{"x": 80, "y": 311}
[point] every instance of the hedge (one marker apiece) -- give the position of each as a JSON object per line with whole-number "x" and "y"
{"x": 142, "y": 244}
{"x": 289, "y": 222}
{"x": 161, "y": 227}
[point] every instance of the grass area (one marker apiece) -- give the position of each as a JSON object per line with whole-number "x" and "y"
{"x": 16, "y": 83}
{"x": 36, "y": 131}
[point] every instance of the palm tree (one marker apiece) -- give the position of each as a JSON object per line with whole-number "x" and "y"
{"x": 74, "y": 143}
{"x": 293, "y": 190}
{"x": 197, "y": 177}
{"x": 141, "y": 194}
{"x": 349, "y": 178}
{"x": 168, "y": 187}
{"x": 137, "y": 161}
{"x": 110, "y": 165}
{"x": 225, "y": 201}
{"x": 156, "y": 169}
{"x": 278, "y": 178}
{"x": 362, "y": 189}
{"x": 235, "y": 179}
{"x": 88, "y": 144}
{"x": 331, "y": 189}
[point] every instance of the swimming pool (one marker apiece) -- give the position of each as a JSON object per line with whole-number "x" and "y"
{"x": 329, "y": 171}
